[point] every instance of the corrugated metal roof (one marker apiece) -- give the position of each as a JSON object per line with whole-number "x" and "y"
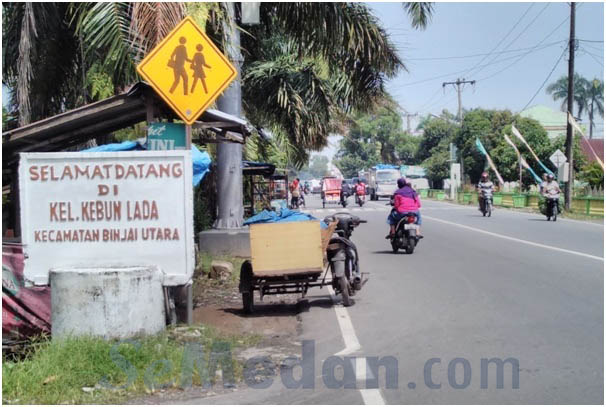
{"x": 79, "y": 125}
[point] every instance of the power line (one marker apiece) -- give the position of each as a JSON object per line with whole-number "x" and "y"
{"x": 545, "y": 81}
{"x": 521, "y": 32}
{"x": 503, "y": 39}
{"x": 476, "y": 55}
{"x": 535, "y": 48}
{"x": 522, "y": 56}
{"x": 595, "y": 58}
{"x": 590, "y": 41}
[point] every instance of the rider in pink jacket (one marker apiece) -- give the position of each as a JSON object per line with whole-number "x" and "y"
{"x": 406, "y": 200}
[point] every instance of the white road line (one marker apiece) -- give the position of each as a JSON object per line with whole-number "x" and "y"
{"x": 558, "y": 249}
{"x": 347, "y": 330}
{"x": 372, "y": 397}
{"x": 369, "y": 396}
{"x": 451, "y": 205}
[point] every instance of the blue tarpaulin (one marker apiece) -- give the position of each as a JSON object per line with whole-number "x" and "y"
{"x": 285, "y": 215}
{"x": 386, "y": 167}
{"x": 200, "y": 159}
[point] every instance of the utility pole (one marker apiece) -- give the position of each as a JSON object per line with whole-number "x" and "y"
{"x": 569, "y": 130}
{"x": 459, "y": 83}
{"x": 408, "y": 116}
{"x": 229, "y": 155}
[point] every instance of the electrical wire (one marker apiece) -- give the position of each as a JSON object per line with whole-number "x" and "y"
{"x": 594, "y": 57}
{"x": 474, "y": 55}
{"x": 522, "y": 56}
{"x": 535, "y": 48}
{"x": 503, "y": 39}
{"x": 546, "y": 79}
{"x": 520, "y": 34}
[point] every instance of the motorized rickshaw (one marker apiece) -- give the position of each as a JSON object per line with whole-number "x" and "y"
{"x": 331, "y": 190}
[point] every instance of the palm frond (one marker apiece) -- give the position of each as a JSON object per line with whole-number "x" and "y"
{"x": 420, "y": 13}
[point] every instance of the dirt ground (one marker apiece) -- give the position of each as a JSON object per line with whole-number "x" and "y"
{"x": 276, "y": 321}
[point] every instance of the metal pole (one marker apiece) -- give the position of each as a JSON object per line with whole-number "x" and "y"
{"x": 569, "y": 131}
{"x": 229, "y": 155}
{"x": 520, "y": 168}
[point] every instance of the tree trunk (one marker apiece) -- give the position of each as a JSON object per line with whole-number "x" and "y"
{"x": 591, "y": 120}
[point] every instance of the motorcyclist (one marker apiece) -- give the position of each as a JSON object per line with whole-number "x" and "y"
{"x": 406, "y": 200}
{"x": 306, "y": 187}
{"x": 360, "y": 189}
{"x": 551, "y": 188}
{"x": 344, "y": 191}
{"x": 485, "y": 185}
{"x": 542, "y": 184}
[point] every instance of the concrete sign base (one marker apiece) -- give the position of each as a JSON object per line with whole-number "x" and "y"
{"x": 114, "y": 303}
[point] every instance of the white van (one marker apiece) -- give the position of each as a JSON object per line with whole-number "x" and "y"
{"x": 382, "y": 182}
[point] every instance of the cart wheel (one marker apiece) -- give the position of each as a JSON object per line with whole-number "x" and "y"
{"x": 246, "y": 287}
{"x": 344, "y": 284}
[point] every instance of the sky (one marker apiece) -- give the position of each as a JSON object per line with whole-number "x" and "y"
{"x": 510, "y": 79}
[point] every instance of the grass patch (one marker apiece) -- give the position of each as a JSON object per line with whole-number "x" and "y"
{"x": 90, "y": 370}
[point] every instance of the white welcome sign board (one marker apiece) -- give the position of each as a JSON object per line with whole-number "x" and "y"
{"x": 107, "y": 210}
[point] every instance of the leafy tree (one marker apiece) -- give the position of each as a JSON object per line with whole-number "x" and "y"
{"x": 318, "y": 166}
{"x": 593, "y": 174}
{"x": 437, "y": 164}
{"x": 375, "y": 138}
{"x": 434, "y": 131}
{"x": 489, "y": 126}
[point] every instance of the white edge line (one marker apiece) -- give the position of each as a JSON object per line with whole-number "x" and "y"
{"x": 516, "y": 240}
{"x": 512, "y": 210}
{"x": 369, "y": 396}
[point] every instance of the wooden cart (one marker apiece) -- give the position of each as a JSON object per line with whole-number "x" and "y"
{"x": 286, "y": 258}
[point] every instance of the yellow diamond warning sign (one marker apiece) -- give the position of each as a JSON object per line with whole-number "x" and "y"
{"x": 187, "y": 70}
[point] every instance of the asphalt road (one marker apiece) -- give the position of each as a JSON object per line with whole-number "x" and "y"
{"x": 513, "y": 287}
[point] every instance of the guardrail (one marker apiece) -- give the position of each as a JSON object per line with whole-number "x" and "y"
{"x": 587, "y": 205}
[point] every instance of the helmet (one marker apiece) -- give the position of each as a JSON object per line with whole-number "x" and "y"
{"x": 484, "y": 174}
{"x": 401, "y": 182}
{"x": 550, "y": 176}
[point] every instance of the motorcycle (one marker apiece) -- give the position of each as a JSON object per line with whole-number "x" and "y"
{"x": 553, "y": 207}
{"x": 301, "y": 201}
{"x": 343, "y": 257}
{"x": 344, "y": 196}
{"x": 406, "y": 234}
{"x": 360, "y": 199}
{"x": 486, "y": 204}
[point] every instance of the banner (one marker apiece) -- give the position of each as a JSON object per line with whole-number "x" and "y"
{"x": 522, "y": 160}
{"x": 576, "y": 127}
{"x": 494, "y": 168}
{"x": 517, "y": 133}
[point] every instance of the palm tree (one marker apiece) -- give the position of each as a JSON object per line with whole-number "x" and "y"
{"x": 559, "y": 91}
{"x": 42, "y": 62}
{"x": 420, "y": 13}
{"x": 313, "y": 73}
{"x": 594, "y": 99}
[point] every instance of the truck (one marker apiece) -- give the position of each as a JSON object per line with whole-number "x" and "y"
{"x": 416, "y": 176}
{"x": 383, "y": 181}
